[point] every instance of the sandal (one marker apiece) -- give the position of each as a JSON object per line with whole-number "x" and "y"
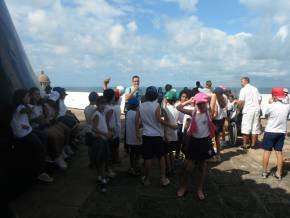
{"x": 200, "y": 195}
{"x": 181, "y": 192}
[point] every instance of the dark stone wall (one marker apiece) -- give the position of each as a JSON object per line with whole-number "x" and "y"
{"x": 15, "y": 69}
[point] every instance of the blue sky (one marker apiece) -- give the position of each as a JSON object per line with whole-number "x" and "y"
{"x": 79, "y": 43}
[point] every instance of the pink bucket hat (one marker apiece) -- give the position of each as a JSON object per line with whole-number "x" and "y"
{"x": 200, "y": 98}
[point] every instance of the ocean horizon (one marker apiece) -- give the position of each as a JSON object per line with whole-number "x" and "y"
{"x": 235, "y": 90}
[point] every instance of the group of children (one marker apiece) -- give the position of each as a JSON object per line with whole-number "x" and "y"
{"x": 152, "y": 130}
{"x": 162, "y": 128}
{"x": 43, "y": 130}
{"x": 155, "y": 127}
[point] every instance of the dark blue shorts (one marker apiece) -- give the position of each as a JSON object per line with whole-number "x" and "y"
{"x": 199, "y": 149}
{"x": 273, "y": 140}
{"x": 153, "y": 146}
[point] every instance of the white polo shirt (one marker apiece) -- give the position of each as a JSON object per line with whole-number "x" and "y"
{"x": 251, "y": 96}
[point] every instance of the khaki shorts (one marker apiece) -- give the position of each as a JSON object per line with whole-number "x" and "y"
{"x": 251, "y": 123}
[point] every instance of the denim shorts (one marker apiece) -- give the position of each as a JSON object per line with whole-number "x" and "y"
{"x": 273, "y": 140}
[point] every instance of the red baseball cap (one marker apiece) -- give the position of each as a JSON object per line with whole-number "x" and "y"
{"x": 278, "y": 92}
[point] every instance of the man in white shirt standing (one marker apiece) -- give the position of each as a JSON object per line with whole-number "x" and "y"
{"x": 250, "y": 100}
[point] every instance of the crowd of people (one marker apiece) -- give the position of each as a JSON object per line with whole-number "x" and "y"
{"x": 44, "y": 130}
{"x": 170, "y": 126}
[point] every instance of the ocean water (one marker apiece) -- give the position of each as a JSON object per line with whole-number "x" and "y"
{"x": 235, "y": 90}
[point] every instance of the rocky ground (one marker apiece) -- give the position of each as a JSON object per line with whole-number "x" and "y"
{"x": 234, "y": 188}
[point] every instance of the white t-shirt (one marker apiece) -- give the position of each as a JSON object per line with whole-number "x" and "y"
{"x": 250, "y": 95}
{"x": 206, "y": 90}
{"x": 220, "y": 113}
{"x": 186, "y": 117}
{"x": 20, "y": 123}
{"x": 89, "y": 111}
{"x": 201, "y": 122}
{"x": 172, "y": 114}
{"x": 117, "y": 121}
{"x": 108, "y": 108}
{"x": 62, "y": 108}
{"x": 278, "y": 114}
{"x": 102, "y": 124}
{"x": 37, "y": 111}
{"x": 225, "y": 114}
{"x": 151, "y": 126}
{"x": 202, "y": 125}
{"x": 131, "y": 138}
{"x": 180, "y": 114}
{"x": 122, "y": 102}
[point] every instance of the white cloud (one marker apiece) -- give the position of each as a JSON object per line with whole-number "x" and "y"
{"x": 132, "y": 26}
{"x": 115, "y": 36}
{"x": 86, "y": 41}
{"x": 279, "y": 10}
{"x": 283, "y": 32}
{"x": 99, "y": 8}
{"x": 188, "y": 5}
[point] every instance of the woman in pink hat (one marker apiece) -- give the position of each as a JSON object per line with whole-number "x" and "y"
{"x": 199, "y": 148}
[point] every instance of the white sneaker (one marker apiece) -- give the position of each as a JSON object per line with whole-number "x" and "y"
{"x": 99, "y": 179}
{"x": 44, "y": 177}
{"x": 111, "y": 174}
{"x": 164, "y": 182}
{"x": 68, "y": 150}
{"x": 49, "y": 160}
{"x": 64, "y": 155}
{"x": 61, "y": 163}
{"x": 224, "y": 143}
{"x": 243, "y": 147}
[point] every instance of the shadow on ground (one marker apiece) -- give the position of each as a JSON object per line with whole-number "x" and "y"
{"x": 228, "y": 195}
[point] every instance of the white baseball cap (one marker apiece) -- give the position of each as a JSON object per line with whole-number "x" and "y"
{"x": 54, "y": 96}
{"x": 121, "y": 89}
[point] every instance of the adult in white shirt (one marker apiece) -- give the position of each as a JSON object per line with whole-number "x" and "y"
{"x": 250, "y": 100}
{"x": 208, "y": 88}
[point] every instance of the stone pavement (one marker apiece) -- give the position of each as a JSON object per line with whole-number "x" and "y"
{"x": 234, "y": 188}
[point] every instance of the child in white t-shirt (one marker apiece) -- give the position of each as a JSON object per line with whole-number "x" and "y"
{"x": 199, "y": 147}
{"x": 109, "y": 96}
{"x": 99, "y": 147}
{"x": 117, "y": 127}
{"x": 170, "y": 136}
{"x": 89, "y": 111}
{"x": 26, "y": 143}
{"x": 183, "y": 96}
{"x": 149, "y": 115}
{"x": 133, "y": 139}
{"x": 274, "y": 136}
